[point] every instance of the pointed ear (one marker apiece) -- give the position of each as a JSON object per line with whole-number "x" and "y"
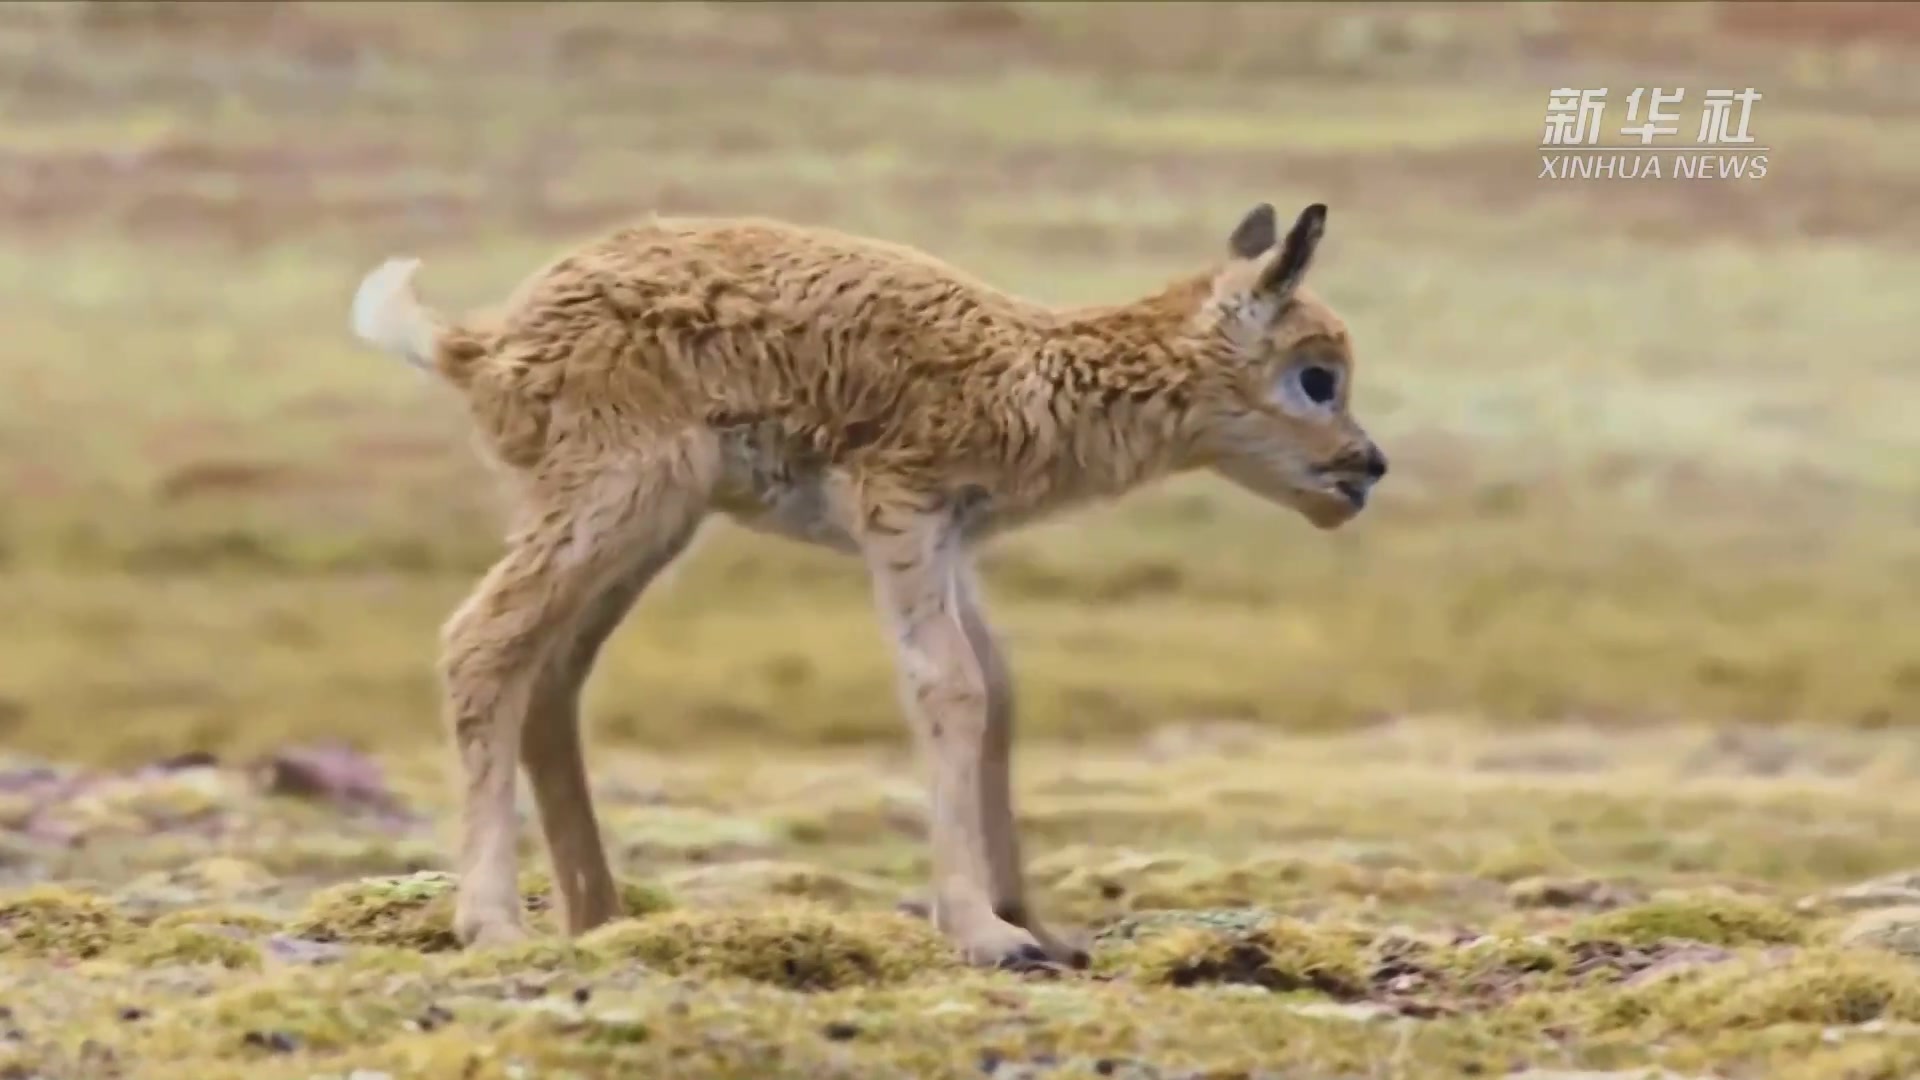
{"x": 1255, "y": 233}
{"x": 1288, "y": 266}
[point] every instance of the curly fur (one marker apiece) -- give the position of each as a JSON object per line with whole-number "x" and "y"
{"x": 856, "y": 394}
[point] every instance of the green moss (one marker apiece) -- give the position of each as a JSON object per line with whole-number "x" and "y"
{"x": 799, "y": 945}
{"x": 1084, "y": 887}
{"x": 1497, "y": 956}
{"x": 1861, "y": 1059}
{"x": 1279, "y": 954}
{"x": 1816, "y": 987}
{"x": 223, "y": 876}
{"x": 49, "y": 921}
{"x": 415, "y": 911}
{"x": 639, "y": 898}
{"x": 543, "y": 954}
{"x": 244, "y": 922}
{"x": 190, "y": 945}
{"x": 1712, "y": 919}
{"x": 759, "y": 878}
{"x": 301, "y": 1012}
{"x": 198, "y": 881}
{"x": 1147, "y": 924}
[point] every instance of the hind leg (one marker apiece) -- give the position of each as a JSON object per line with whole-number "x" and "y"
{"x": 552, "y": 752}
{"x": 497, "y": 648}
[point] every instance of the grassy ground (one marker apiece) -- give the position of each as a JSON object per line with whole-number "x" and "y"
{"x": 1417, "y": 900}
{"x": 1649, "y": 481}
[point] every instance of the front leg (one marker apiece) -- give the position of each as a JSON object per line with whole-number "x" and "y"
{"x": 1007, "y": 872}
{"x": 913, "y": 557}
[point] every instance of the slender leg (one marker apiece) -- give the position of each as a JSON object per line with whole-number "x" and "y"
{"x": 495, "y": 650}
{"x": 912, "y": 558}
{"x": 1007, "y": 873}
{"x": 551, "y": 749}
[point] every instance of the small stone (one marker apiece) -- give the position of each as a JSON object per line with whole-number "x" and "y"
{"x": 1892, "y": 890}
{"x": 278, "y": 1042}
{"x": 331, "y": 772}
{"x": 1896, "y": 929}
{"x": 434, "y": 1017}
{"x": 288, "y": 949}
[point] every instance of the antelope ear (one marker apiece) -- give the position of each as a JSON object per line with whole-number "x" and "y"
{"x": 1289, "y": 265}
{"x": 1255, "y": 233}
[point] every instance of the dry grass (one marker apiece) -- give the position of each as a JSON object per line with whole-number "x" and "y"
{"x": 1418, "y": 901}
{"x": 1647, "y": 456}
{"x": 1649, "y": 474}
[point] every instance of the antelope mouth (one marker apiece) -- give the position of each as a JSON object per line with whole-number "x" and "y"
{"x": 1354, "y": 491}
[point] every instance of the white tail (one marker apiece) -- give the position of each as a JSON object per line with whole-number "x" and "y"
{"x": 388, "y": 316}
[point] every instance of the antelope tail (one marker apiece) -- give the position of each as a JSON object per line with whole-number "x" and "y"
{"x": 388, "y": 315}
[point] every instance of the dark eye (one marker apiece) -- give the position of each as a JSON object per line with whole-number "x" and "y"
{"x": 1319, "y": 384}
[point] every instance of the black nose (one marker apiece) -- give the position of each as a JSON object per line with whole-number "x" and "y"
{"x": 1376, "y": 462}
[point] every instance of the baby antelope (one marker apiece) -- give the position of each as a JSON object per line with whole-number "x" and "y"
{"x": 858, "y": 395}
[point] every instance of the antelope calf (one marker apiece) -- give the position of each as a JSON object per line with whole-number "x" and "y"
{"x": 854, "y": 394}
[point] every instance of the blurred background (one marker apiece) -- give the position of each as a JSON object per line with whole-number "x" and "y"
{"x": 1648, "y": 457}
